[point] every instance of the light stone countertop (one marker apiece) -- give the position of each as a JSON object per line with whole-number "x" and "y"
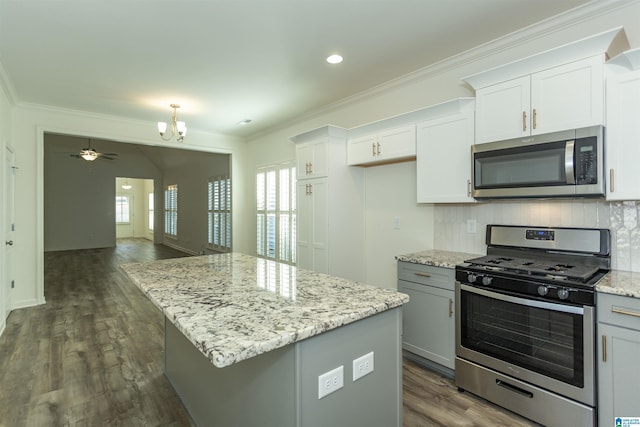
{"x": 235, "y": 306}
{"x": 625, "y": 283}
{"x": 437, "y": 258}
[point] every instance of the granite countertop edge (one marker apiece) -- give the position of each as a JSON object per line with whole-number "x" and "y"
{"x": 182, "y": 304}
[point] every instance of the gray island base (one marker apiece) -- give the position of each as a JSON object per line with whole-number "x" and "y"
{"x": 241, "y": 351}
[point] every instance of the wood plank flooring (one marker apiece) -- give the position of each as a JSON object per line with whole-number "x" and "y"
{"x": 92, "y": 356}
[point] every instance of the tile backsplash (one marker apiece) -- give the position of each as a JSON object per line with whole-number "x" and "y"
{"x": 622, "y": 218}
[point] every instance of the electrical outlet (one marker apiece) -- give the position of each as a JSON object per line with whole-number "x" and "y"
{"x": 362, "y": 366}
{"x": 330, "y": 381}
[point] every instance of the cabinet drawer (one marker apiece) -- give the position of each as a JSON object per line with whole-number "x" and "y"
{"x": 619, "y": 310}
{"x": 440, "y": 277}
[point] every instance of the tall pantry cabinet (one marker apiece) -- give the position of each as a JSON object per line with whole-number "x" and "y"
{"x": 329, "y": 204}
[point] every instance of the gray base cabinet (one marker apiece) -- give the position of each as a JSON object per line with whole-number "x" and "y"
{"x": 618, "y": 350}
{"x": 280, "y": 387}
{"x": 428, "y": 318}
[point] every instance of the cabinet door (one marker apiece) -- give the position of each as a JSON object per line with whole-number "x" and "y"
{"x": 618, "y": 374}
{"x": 312, "y": 225}
{"x": 622, "y": 148}
{"x": 568, "y": 97}
{"x": 502, "y": 110}
{"x": 312, "y": 159}
{"x": 443, "y": 160}
{"x": 397, "y": 143}
{"x": 428, "y": 323}
{"x": 361, "y": 150}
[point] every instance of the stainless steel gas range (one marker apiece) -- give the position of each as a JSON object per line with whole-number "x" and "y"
{"x": 525, "y": 321}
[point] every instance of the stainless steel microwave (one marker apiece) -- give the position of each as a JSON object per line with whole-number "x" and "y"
{"x": 559, "y": 164}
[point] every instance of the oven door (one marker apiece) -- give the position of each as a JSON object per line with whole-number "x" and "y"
{"x": 547, "y": 344}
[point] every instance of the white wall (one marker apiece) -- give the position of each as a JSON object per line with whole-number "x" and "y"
{"x": 28, "y": 126}
{"x": 421, "y": 226}
{"x": 5, "y": 141}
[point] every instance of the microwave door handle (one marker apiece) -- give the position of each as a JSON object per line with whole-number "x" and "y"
{"x": 568, "y": 162}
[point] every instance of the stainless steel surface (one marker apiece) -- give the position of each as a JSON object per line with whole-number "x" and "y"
{"x": 568, "y": 162}
{"x": 569, "y": 190}
{"x": 524, "y": 301}
{"x": 585, "y": 395}
{"x": 525, "y": 399}
{"x": 578, "y": 240}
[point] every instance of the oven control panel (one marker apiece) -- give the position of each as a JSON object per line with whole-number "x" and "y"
{"x": 540, "y": 235}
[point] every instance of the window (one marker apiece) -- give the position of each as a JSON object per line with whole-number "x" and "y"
{"x": 219, "y": 214}
{"x": 276, "y": 212}
{"x": 122, "y": 209}
{"x": 171, "y": 211}
{"x": 151, "y": 211}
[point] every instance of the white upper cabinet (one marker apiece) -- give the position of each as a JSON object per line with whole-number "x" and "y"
{"x": 443, "y": 161}
{"x": 622, "y": 140}
{"x": 312, "y": 159}
{"x": 560, "y": 98}
{"x": 383, "y": 146}
{"x": 556, "y": 90}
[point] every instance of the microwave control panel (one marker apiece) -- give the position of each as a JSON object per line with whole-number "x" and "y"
{"x": 586, "y": 161}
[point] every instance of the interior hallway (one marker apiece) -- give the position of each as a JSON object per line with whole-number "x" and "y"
{"x": 92, "y": 356}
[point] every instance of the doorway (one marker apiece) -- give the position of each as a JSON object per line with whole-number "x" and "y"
{"x": 134, "y": 208}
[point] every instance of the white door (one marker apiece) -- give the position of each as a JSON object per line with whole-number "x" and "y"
{"x": 9, "y": 231}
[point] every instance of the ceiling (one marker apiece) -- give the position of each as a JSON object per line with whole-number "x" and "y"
{"x": 229, "y": 60}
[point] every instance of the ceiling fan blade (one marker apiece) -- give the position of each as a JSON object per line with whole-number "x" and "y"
{"x": 107, "y": 157}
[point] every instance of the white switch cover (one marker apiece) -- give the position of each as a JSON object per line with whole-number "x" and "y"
{"x": 362, "y": 366}
{"x": 472, "y": 226}
{"x": 330, "y": 381}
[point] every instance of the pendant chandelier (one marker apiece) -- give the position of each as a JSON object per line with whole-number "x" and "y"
{"x": 178, "y": 129}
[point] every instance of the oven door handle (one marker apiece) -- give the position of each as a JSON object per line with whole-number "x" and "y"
{"x": 523, "y": 301}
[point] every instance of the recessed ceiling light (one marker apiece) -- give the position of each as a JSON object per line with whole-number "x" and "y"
{"x": 244, "y": 122}
{"x": 334, "y": 59}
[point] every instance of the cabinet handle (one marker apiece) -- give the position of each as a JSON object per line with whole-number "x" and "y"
{"x": 450, "y": 307}
{"x": 611, "y": 175}
{"x": 310, "y": 168}
{"x": 468, "y": 188}
{"x": 310, "y": 189}
{"x": 378, "y": 148}
{"x": 422, "y": 274}
{"x": 604, "y": 348}
{"x": 626, "y": 312}
{"x": 535, "y": 118}
{"x": 524, "y": 120}
{"x": 373, "y": 149}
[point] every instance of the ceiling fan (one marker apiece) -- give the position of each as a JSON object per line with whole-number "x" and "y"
{"x": 90, "y": 154}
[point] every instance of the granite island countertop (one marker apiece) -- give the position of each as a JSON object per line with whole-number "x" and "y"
{"x": 437, "y": 258}
{"x": 235, "y": 306}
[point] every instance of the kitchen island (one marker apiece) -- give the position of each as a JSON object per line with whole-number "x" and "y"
{"x": 246, "y": 340}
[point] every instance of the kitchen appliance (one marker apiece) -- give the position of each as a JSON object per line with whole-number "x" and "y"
{"x": 560, "y": 164}
{"x": 525, "y": 321}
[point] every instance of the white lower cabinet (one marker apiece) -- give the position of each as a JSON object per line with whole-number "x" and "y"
{"x": 618, "y": 350}
{"x": 428, "y": 325}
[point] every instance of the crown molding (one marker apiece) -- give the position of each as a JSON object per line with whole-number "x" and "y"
{"x": 504, "y": 43}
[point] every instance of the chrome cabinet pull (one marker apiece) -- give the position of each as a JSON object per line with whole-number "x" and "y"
{"x": 373, "y": 149}
{"x": 625, "y": 312}
{"x": 524, "y": 120}
{"x": 310, "y": 189}
{"x": 310, "y": 168}
{"x": 604, "y": 348}
{"x": 535, "y": 118}
{"x": 611, "y": 174}
{"x": 450, "y": 307}
{"x": 417, "y": 273}
{"x": 468, "y": 188}
{"x": 378, "y": 148}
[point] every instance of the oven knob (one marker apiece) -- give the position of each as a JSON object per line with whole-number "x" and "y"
{"x": 486, "y": 280}
{"x": 563, "y": 293}
{"x": 471, "y": 278}
{"x": 543, "y": 290}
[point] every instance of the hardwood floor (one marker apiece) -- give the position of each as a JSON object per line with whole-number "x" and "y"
{"x": 92, "y": 356}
